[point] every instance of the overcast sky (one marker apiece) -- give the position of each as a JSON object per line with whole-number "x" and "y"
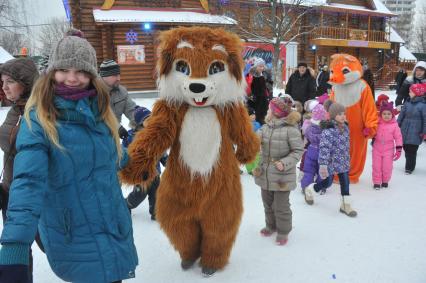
{"x": 43, "y": 10}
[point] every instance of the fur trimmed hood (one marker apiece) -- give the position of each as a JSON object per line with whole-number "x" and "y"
{"x": 291, "y": 120}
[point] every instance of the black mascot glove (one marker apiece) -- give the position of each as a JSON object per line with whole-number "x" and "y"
{"x": 16, "y": 273}
{"x": 122, "y": 133}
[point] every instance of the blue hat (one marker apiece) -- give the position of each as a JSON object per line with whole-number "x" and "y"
{"x": 141, "y": 113}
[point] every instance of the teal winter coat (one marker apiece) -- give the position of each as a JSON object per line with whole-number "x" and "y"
{"x": 73, "y": 196}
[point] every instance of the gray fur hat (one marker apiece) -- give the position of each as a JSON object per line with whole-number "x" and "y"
{"x": 336, "y": 109}
{"x": 72, "y": 51}
{"x": 22, "y": 70}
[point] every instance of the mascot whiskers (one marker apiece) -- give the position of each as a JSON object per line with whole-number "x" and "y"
{"x": 201, "y": 118}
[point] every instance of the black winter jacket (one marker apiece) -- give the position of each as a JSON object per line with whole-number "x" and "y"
{"x": 301, "y": 88}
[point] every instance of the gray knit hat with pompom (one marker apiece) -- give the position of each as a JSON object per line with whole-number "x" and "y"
{"x": 73, "y": 51}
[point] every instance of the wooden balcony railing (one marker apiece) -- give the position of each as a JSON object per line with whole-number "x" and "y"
{"x": 350, "y": 34}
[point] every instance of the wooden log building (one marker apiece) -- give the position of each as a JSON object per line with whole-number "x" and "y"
{"x": 125, "y": 30}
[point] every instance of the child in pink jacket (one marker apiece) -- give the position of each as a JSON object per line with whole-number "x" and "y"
{"x": 387, "y": 146}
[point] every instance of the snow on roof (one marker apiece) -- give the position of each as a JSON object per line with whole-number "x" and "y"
{"x": 380, "y": 8}
{"x": 159, "y": 16}
{"x": 4, "y": 56}
{"x": 394, "y": 36}
{"x": 405, "y": 54}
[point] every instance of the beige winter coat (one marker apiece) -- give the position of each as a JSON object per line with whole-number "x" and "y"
{"x": 281, "y": 140}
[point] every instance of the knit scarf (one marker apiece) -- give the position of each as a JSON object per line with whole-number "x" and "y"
{"x": 70, "y": 93}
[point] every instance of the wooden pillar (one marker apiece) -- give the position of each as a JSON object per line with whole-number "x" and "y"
{"x": 369, "y": 22}
{"x": 321, "y": 22}
{"x": 347, "y": 25}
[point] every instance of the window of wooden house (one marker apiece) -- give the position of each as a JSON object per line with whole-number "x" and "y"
{"x": 354, "y": 21}
{"x": 363, "y": 23}
{"x": 313, "y": 19}
{"x": 258, "y": 21}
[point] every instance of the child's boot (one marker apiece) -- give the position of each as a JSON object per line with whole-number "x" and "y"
{"x": 309, "y": 194}
{"x": 346, "y": 208}
{"x": 385, "y": 185}
{"x": 281, "y": 239}
{"x": 376, "y": 187}
{"x": 267, "y": 232}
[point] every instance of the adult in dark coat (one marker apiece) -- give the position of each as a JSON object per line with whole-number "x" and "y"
{"x": 418, "y": 77}
{"x": 301, "y": 85}
{"x": 322, "y": 81}
{"x": 368, "y": 77}
{"x": 400, "y": 78}
{"x": 259, "y": 97}
{"x": 18, "y": 77}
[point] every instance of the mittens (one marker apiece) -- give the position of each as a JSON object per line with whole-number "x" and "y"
{"x": 366, "y": 132}
{"x": 323, "y": 172}
{"x": 397, "y": 154}
{"x": 17, "y": 273}
{"x": 122, "y": 133}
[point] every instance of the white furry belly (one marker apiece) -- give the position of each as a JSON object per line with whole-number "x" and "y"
{"x": 348, "y": 94}
{"x": 200, "y": 140}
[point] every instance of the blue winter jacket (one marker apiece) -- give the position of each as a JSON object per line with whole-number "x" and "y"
{"x": 334, "y": 148}
{"x": 72, "y": 196}
{"x": 412, "y": 120}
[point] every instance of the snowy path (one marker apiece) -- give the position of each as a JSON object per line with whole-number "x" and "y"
{"x": 384, "y": 244}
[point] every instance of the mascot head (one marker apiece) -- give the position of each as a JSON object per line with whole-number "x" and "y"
{"x": 200, "y": 66}
{"x": 345, "y": 69}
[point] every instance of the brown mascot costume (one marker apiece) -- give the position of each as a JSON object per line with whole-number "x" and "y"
{"x": 201, "y": 118}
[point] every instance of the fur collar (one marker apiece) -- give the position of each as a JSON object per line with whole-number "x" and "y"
{"x": 291, "y": 120}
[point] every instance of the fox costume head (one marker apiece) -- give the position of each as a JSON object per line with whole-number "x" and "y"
{"x": 344, "y": 69}
{"x": 200, "y": 66}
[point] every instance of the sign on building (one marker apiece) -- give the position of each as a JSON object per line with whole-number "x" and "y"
{"x": 131, "y": 54}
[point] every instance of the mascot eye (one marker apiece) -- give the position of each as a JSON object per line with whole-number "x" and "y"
{"x": 346, "y": 70}
{"x": 216, "y": 67}
{"x": 182, "y": 67}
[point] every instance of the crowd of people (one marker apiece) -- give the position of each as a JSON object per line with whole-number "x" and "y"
{"x": 66, "y": 126}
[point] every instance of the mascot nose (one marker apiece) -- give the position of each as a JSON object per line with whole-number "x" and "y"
{"x": 197, "y": 88}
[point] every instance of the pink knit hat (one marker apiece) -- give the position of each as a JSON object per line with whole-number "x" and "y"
{"x": 387, "y": 106}
{"x": 418, "y": 89}
{"x": 319, "y": 113}
{"x": 323, "y": 98}
{"x": 280, "y": 107}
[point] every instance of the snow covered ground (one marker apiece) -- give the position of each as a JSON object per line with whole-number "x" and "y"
{"x": 384, "y": 244}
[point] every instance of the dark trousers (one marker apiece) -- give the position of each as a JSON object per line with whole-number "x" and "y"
{"x": 326, "y": 183}
{"x": 138, "y": 195}
{"x": 410, "y": 156}
{"x": 4, "y": 204}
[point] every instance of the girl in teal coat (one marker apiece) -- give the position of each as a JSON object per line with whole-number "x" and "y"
{"x": 65, "y": 177}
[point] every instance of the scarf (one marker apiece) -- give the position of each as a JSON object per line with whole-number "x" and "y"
{"x": 70, "y": 93}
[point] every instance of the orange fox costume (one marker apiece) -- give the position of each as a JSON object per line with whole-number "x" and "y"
{"x": 355, "y": 94}
{"x": 200, "y": 117}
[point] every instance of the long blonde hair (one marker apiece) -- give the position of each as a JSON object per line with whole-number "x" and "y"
{"x": 42, "y": 97}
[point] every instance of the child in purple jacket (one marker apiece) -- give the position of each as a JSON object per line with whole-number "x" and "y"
{"x": 313, "y": 135}
{"x": 334, "y": 158}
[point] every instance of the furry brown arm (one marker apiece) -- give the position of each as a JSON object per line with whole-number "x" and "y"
{"x": 150, "y": 144}
{"x": 242, "y": 133}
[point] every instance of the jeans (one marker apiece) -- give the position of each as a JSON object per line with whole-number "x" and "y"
{"x": 326, "y": 183}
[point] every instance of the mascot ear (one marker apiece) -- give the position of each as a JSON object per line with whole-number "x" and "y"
{"x": 165, "y": 62}
{"x": 235, "y": 66}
